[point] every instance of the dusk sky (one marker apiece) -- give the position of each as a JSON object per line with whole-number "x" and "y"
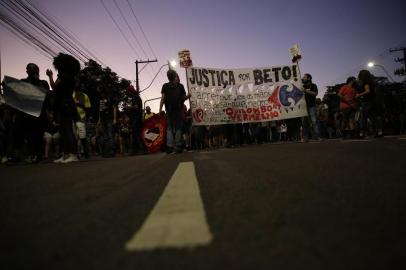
{"x": 337, "y": 38}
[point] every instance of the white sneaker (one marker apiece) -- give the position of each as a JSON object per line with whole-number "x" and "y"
{"x": 71, "y": 158}
{"x": 59, "y": 160}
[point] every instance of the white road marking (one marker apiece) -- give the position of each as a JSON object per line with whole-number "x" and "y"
{"x": 202, "y": 157}
{"x": 365, "y": 140}
{"x": 205, "y": 152}
{"x": 178, "y": 219}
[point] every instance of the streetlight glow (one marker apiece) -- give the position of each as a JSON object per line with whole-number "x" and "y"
{"x": 173, "y": 63}
{"x": 372, "y": 64}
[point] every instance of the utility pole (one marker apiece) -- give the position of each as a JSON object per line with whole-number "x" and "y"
{"x": 401, "y": 71}
{"x": 1, "y": 86}
{"x": 137, "y": 84}
{"x": 0, "y": 65}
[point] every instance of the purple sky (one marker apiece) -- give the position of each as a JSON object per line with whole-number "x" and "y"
{"x": 337, "y": 38}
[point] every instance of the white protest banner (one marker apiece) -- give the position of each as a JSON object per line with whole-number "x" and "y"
{"x": 23, "y": 96}
{"x": 227, "y": 96}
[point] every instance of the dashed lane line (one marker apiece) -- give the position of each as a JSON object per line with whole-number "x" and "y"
{"x": 346, "y": 141}
{"x": 178, "y": 220}
{"x": 390, "y": 136}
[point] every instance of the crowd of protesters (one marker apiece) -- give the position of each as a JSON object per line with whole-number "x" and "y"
{"x": 361, "y": 113}
{"x": 66, "y": 131}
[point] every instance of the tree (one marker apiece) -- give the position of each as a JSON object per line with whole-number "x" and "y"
{"x": 96, "y": 81}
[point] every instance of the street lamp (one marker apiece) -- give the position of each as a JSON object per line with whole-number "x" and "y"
{"x": 372, "y": 64}
{"x": 171, "y": 64}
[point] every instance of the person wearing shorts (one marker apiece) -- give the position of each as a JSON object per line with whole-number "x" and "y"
{"x": 83, "y": 105}
{"x": 51, "y": 135}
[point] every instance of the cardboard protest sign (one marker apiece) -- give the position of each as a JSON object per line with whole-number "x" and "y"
{"x": 185, "y": 59}
{"x": 295, "y": 53}
{"x": 23, "y": 96}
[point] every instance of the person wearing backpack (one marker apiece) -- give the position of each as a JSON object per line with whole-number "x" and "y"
{"x": 173, "y": 97}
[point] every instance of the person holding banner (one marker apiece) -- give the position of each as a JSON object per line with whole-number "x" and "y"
{"x": 311, "y": 91}
{"x": 34, "y": 126}
{"x": 173, "y": 96}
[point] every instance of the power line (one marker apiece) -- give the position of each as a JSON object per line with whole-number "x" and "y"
{"x": 15, "y": 28}
{"x": 135, "y": 37}
{"x": 119, "y": 28}
{"x": 132, "y": 32}
{"x": 143, "y": 32}
{"x": 129, "y": 27}
{"x": 342, "y": 78}
{"x": 64, "y": 30}
{"x": 26, "y": 38}
{"x": 26, "y": 41}
{"x": 40, "y": 31}
{"x": 63, "y": 41}
{"x": 153, "y": 79}
{"x": 46, "y": 33}
{"x": 400, "y": 60}
{"x": 35, "y": 27}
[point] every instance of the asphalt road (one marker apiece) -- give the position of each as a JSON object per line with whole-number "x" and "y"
{"x": 329, "y": 205}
